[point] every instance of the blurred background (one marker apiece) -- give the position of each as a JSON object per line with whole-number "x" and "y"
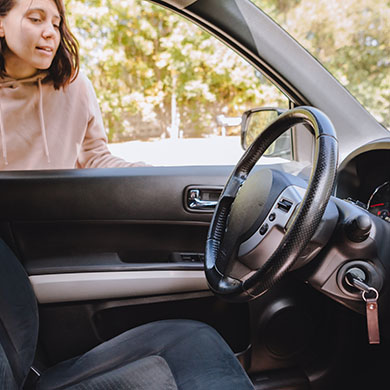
{"x": 159, "y": 77}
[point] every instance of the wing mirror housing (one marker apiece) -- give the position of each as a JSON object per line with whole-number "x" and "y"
{"x": 254, "y": 121}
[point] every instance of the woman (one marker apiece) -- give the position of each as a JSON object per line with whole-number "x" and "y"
{"x": 49, "y": 114}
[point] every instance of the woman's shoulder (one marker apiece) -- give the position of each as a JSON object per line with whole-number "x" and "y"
{"x": 80, "y": 87}
{"x": 81, "y": 81}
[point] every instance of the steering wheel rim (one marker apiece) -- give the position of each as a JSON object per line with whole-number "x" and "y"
{"x": 303, "y": 225}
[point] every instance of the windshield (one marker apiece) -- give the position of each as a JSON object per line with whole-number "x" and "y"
{"x": 350, "y": 38}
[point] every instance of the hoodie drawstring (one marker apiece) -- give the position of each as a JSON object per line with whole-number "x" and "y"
{"x": 2, "y": 134}
{"x": 41, "y": 119}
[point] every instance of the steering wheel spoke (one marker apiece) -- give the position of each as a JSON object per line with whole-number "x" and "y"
{"x": 272, "y": 230}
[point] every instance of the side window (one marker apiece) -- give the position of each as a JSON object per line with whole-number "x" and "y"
{"x": 170, "y": 93}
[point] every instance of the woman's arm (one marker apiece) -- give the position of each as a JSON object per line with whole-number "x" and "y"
{"x": 94, "y": 152}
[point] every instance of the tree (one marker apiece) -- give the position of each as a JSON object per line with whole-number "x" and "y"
{"x": 136, "y": 58}
{"x": 350, "y": 38}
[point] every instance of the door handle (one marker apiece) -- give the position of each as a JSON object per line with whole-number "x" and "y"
{"x": 202, "y": 198}
{"x": 197, "y": 203}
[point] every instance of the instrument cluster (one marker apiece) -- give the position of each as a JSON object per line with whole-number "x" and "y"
{"x": 379, "y": 201}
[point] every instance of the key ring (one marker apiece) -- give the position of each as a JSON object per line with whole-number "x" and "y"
{"x": 370, "y": 289}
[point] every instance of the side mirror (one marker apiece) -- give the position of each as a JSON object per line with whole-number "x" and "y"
{"x": 254, "y": 121}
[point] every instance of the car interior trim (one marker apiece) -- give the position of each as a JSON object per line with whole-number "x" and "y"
{"x": 381, "y": 144}
{"x": 105, "y": 285}
{"x": 181, "y": 3}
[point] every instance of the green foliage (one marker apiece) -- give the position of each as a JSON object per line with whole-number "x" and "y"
{"x": 350, "y": 37}
{"x": 142, "y": 59}
{"x": 138, "y": 56}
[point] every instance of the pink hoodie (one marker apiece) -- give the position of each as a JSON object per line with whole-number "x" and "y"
{"x": 44, "y": 128}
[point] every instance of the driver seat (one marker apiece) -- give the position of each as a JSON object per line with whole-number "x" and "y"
{"x": 164, "y": 355}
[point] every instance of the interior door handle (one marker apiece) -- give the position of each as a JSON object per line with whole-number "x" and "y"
{"x": 198, "y": 199}
{"x": 197, "y": 203}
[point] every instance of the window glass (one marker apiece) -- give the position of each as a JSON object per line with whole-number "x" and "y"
{"x": 350, "y": 38}
{"x": 170, "y": 93}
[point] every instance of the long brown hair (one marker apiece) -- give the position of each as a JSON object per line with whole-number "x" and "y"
{"x": 65, "y": 65}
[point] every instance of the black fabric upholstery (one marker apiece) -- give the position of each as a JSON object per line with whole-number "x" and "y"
{"x": 196, "y": 355}
{"x": 7, "y": 379}
{"x": 18, "y": 320}
{"x": 164, "y": 355}
{"x": 150, "y": 373}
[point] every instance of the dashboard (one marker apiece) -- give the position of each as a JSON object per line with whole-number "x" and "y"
{"x": 379, "y": 201}
{"x": 365, "y": 180}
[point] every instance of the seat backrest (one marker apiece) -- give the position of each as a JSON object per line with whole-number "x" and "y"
{"x": 18, "y": 321}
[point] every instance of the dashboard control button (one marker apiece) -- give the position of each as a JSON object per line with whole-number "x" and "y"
{"x": 358, "y": 228}
{"x": 264, "y": 229}
{"x": 284, "y": 205}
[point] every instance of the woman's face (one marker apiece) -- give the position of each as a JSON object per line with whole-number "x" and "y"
{"x": 31, "y": 31}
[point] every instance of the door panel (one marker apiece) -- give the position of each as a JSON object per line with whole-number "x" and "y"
{"x": 107, "y": 250}
{"x": 81, "y": 246}
{"x": 144, "y": 194}
{"x": 110, "y": 225}
{"x": 55, "y": 219}
{"x": 83, "y": 286}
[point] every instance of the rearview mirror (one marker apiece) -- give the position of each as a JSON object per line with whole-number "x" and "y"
{"x": 254, "y": 121}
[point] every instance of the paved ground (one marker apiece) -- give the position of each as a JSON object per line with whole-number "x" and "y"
{"x": 187, "y": 151}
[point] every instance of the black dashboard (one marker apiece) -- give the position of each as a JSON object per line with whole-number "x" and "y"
{"x": 365, "y": 180}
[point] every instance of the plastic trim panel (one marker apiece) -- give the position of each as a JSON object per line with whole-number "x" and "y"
{"x": 107, "y": 285}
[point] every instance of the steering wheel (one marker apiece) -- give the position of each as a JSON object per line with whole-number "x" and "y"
{"x": 264, "y": 221}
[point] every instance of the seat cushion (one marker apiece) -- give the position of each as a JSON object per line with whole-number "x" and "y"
{"x": 18, "y": 321}
{"x": 7, "y": 379}
{"x": 182, "y": 354}
{"x": 150, "y": 373}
